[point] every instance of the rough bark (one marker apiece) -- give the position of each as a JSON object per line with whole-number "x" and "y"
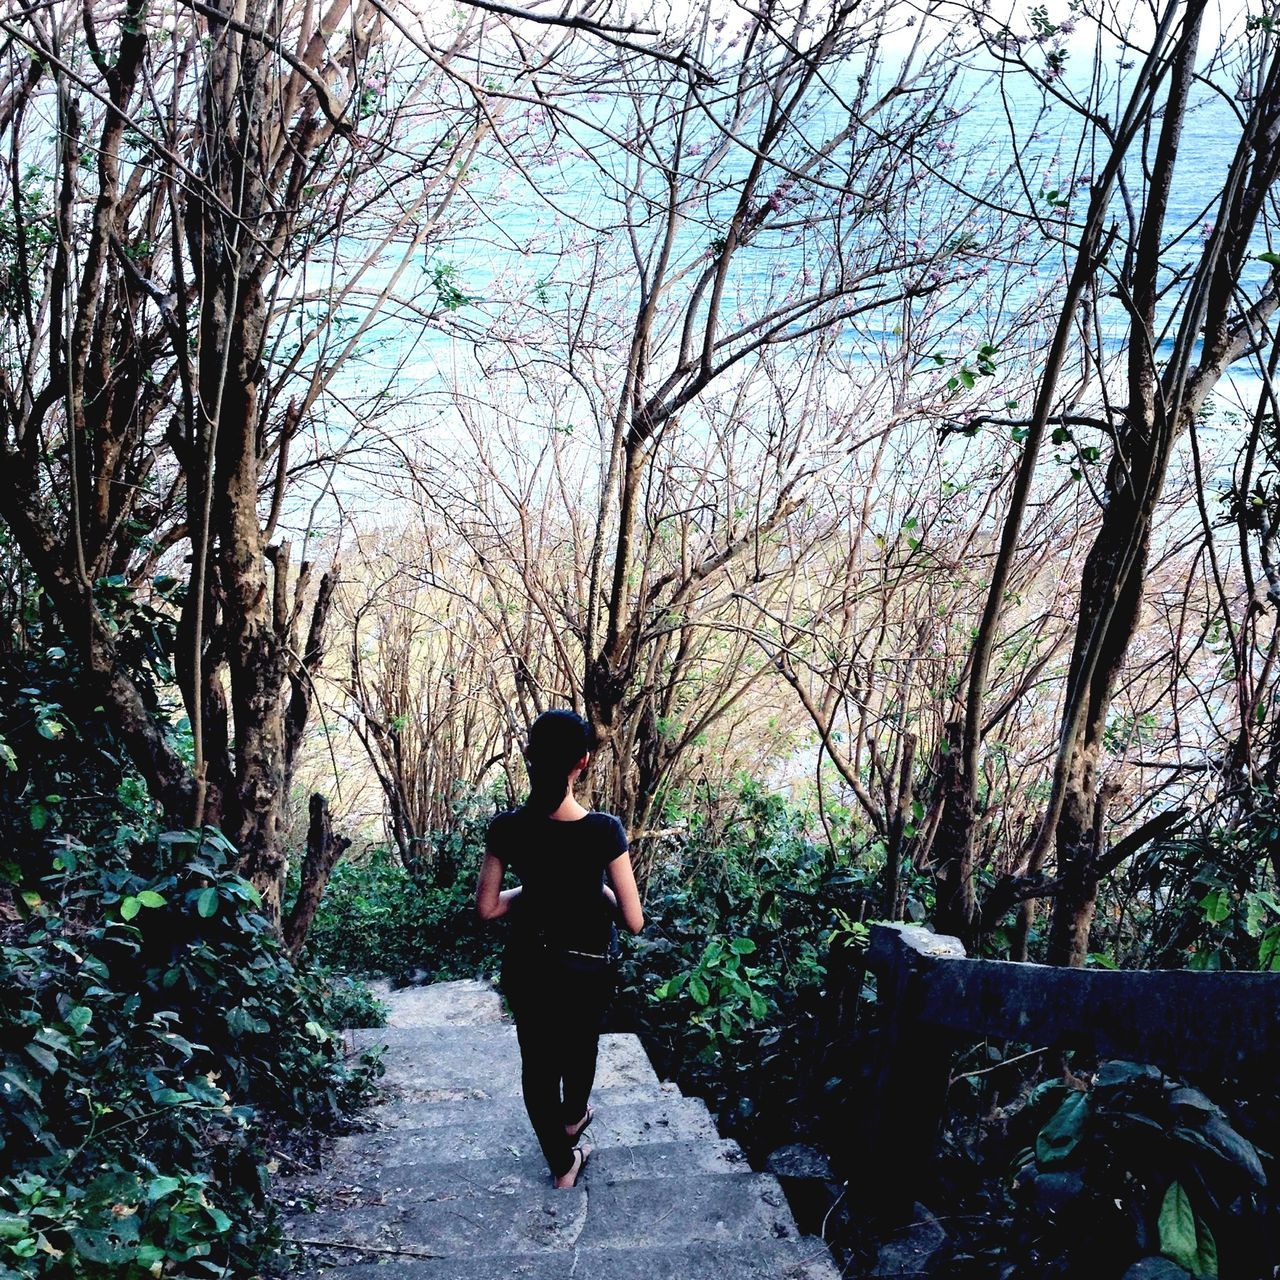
{"x": 956, "y": 908}
{"x": 955, "y": 845}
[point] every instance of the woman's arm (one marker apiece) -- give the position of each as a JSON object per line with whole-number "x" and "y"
{"x": 623, "y": 880}
{"x": 492, "y": 900}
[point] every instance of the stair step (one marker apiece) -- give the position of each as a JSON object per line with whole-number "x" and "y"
{"x": 451, "y": 1184}
{"x": 803, "y": 1259}
{"x": 488, "y": 1057}
{"x": 370, "y": 1183}
{"x": 467, "y": 1002}
{"x": 500, "y": 1127}
{"x": 419, "y": 1107}
{"x": 462, "y": 1222}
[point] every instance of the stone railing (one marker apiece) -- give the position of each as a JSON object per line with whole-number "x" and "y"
{"x": 934, "y": 997}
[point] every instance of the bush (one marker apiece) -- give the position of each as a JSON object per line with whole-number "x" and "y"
{"x": 62, "y": 767}
{"x": 153, "y": 1032}
{"x": 375, "y": 919}
{"x": 729, "y": 984}
{"x": 1119, "y": 1168}
{"x": 348, "y": 1002}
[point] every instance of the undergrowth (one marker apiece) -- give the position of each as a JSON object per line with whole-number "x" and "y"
{"x": 747, "y": 987}
{"x": 741, "y": 983}
{"x": 376, "y": 919}
{"x": 156, "y": 1044}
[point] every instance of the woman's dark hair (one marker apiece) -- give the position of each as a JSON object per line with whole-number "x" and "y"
{"x": 557, "y": 741}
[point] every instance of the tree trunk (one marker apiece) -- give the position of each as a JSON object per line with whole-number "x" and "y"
{"x": 1110, "y": 606}
{"x": 897, "y": 829}
{"x": 323, "y": 851}
{"x": 956, "y": 910}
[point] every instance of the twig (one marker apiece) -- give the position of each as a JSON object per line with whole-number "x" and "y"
{"x": 969, "y": 1075}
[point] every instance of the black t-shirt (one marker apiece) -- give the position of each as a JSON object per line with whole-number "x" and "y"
{"x": 561, "y": 868}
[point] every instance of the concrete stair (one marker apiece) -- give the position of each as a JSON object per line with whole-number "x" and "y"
{"x": 449, "y": 1184}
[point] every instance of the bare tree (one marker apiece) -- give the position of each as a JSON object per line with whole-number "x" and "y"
{"x": 1195, "y": 304}
{"x": 744, "y": 228}
{"x": 425, "y": 693}
{"x": 182, "y": 262}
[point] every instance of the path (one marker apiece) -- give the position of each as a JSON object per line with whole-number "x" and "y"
{"x": 451, "y": 1185}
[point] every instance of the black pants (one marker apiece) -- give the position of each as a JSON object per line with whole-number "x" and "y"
{"x": 558, "y": 1016}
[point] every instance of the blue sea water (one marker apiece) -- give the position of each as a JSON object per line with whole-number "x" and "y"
{"x": 569, "y": 216}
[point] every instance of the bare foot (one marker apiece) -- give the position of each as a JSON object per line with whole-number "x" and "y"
{"x": 570, "y": 1179}
{"x": 574, "y": 1131}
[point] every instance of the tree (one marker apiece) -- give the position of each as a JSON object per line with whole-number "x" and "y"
{"x": 692, "y": 358}
{"x": 178, "y": 263}
{"x": 1202, "y": 306}
{"x": 426, "y": 694}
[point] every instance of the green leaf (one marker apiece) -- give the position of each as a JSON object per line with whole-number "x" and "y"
{"x": 207, "y": 902}
{"x": 129, "y": 907}
{"x": 1211, "y": 1132}
{"x": 52, "y": 1038}
{"x": 150, "y": 898}
{"x": 1272, "y": 259}
{"x": 240, "y": 1021}
{"x": 221, "y": 1223}
{"x": 967, "y": 379}
{"x": 160, "y": 1187}
{"x": 46, "y": 1059}
{"x": 1254, "y": 915}
{"x": 1058, "y": 1139}
{"x": 698, "y": 990}
{"x": 1216, "y": 905}
{"x": 759, "y": 1008}
{"x": 169, "y": 1097}
{"x": 743, "y": 946}
{"x": 1184, "y": 1237}
{"x": 49, "y": 729}
{"x": 22, "y": 1082}
{"x": 38, "y": 816}
{"x": 1269, "y": 949}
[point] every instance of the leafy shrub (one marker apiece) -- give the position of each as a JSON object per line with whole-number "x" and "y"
{"x": 1129, "y": 1169}
{"x": 61, "y": 769}
{"x": 376, "y": 919}
{"x": 152, "y": 1029}
{"x": 348, "y": 1002}
{"x": 730, "y": 983}
{"x": 62, "y": 766}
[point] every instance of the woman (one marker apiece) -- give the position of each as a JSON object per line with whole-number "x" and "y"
{"x": 558, "y": 971}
